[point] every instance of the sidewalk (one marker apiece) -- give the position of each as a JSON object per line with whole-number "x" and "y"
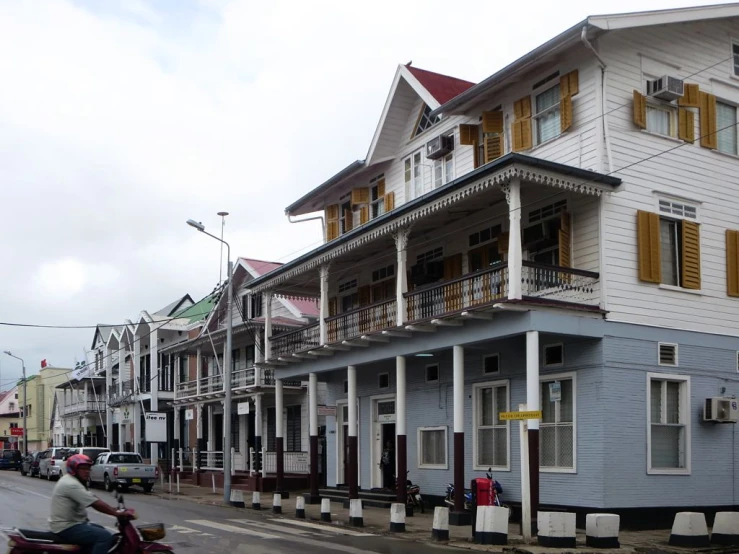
{"x": 418, "y": 527}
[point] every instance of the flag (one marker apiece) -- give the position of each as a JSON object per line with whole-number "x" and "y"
{"x": 43, "y": 363}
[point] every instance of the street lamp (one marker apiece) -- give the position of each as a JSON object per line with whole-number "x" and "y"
{"x": 227, "y": 369}
{"x": 25, "y": 404}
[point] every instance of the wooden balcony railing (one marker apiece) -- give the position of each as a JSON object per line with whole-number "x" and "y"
{"x": 299, "y": 340}
{"x": 84, "y": 407}
{"x": 561, "y": 284}
{"x": 186, "y": 388}
{"x": 268, "y": 379}
{"x": 367, "y": 319}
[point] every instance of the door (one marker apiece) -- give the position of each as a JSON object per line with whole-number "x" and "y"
{"x": 345, "y": 453}
{"x": 453, "y": 291}
{"x": 383, "y": 423}
{"x": 218, "y": 431}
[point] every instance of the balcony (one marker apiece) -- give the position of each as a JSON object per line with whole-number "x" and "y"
{"x": 300, "y": 340}
{"x": 88, "y": 406}
{"x": 116, "y": 398}
{"x": 364, "y": 320}
{"x": 241, "y": 379}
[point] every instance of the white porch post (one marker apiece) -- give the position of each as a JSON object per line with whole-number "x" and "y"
{"x": 401, "y": 275}
{"x": 351, "y": 376}
{"x": 400, "y": 427}
{"x": 268, "y": 325}
{"x": 108, "y": 390}
{"x": 515, "y": 254}
{"x": 198, "y": 370}
{"x": 258, "y": 431}
{"x": 154, "y": 386}
{"x": 279, "y": 434}
{"x": 323, "y": 329}
{"x": 258, "y": 354}
{"x": 313, "y": 437}
{"x": 136, "y": 387}
{"x": 458, "y": 386}
{"x": 533, "y": 404}
{"x": 199, "y": 443}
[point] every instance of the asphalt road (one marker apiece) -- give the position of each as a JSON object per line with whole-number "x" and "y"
{"x": 191, "y": 527}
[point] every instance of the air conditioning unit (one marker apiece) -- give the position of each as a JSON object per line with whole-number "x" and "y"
{"x": 721, "y": 409}
{"x": 440, "y": 146}
{"x": 665, "y": 88}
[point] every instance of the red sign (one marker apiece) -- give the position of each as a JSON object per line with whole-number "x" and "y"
{"x": 16, "y": 432}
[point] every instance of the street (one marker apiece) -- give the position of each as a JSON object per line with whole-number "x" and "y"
{"x": 191, "y": 527}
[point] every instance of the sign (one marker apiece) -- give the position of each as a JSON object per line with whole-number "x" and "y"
{"x": 16, "y": 431}
{"x": 156, "y": 426}
{"x": 116, "y": 415}
{"x": 327, "y": 411}
{"x": 126, "y": 416}
{"x": 555, "y": 391}
{"x": 242, "y": 408}
{"x": 505, "y": 416}
{"x": 189, "y": 414}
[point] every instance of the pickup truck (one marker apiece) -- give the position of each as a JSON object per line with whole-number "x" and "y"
{"x": 121, "y": 470}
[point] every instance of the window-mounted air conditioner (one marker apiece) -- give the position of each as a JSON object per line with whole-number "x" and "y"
{"x": 721, "y": 409}
{"x": 665, "y": 88}
{"x": 440, "y": 146}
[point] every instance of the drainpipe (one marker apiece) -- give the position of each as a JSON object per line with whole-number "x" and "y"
{"x": 323, "y": 221}
{"x": 604, "y": 100}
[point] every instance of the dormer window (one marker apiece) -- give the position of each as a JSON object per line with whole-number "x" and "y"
{"x": 425, "y": 120}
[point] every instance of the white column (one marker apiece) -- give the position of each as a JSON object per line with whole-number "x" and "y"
{"x": 313, "y": 404}
{"x": 137, "y": 427}
{"x": 279, "y": 410}
{"x": 258, "y": 417}
{"x": 400, "y": 396}
{"x": 515, "y": 254}
{"x": 209, "y": 438}
{"x": 268, "y": 325}
{"x": 351, "y": 376}
{"x": 108, "y": 390}
{"x": 136, "y": 376}
{"x": 198, "y": 423}
{"x": 323, "y": 272}
{"x": 401, "y": 274}
{"x": 532, "y": 376}
{"x": 155, "y": 369}
{"x": 258, "y": 354}
{"x": 458, "y": 384}
{"x": 198, "y": 374}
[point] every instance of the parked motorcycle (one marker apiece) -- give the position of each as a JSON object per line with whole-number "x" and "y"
{"x": 129, "y": 540}
{"x": 413, "y": 495}
{"x": 449, "y": 499}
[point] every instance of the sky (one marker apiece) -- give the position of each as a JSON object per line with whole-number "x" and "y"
{"x": 121, "y": 119}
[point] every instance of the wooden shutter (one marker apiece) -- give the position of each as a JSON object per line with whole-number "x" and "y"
{"x": 492, "y": 122}
{"x": 389, "y": 201}
{"x": 332, "y": 212}
{"x": 686, "y": 125}
{"x": 468, "y": 134}
{"x": 709, "y": 138}
{"x": 503, "y": 243}
{"x": 381, "y": 187}
{"x": 332, "y": 222}
{"x": 565, "y": 113}
{"x": 648, "y": 242}
{"x": 364, "y": 295}
{"x": 565, "y": 240}
{"x": 522, "y": 108}
{"x": 348, "y": 220}
{"x": 363, "y": 215}
{"x": 333, "y": 305}
{"x": 360, "y": 195}
{"x": 732, "y": 262}
{"x": 690, "y": 97}
{"x": 640, "y": 110}
{"x": 493, "y": 147}
{"x": 691, "y": 255}
{"x": 569, "y": 84}
{"x": 452, "y": 267}
{"x": 521, "y": 135}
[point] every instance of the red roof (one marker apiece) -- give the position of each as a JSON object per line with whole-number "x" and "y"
{"x": 261, "y": 267}
{"x": 441, "y": 87}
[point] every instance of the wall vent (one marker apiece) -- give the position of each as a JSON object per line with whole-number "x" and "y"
{"x": 667, "y": 354}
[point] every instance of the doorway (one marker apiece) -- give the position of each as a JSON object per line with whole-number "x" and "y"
{"x": 342, "y": 444}
{"x": 383, "y": 432}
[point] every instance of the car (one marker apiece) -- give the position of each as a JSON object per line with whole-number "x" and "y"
{"x": 91, "y": 452}
{"x": 29, "y": 466}
{"x": 10, "y": 459}
{"x": 50, "y": 463}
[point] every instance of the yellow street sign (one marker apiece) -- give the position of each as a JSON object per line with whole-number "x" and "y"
{"x": 520, "y": 415}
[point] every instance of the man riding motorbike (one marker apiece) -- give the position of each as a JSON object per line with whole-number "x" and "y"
{"x": 69, "y": 502}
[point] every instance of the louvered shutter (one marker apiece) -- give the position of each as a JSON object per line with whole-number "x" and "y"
{"x": 493, "y": 147}
{"x": 565, "y": 113}
{"x": 569, "y": 84}
{"x": 691, "y": 255}
{"x": 332, "y": 222}
{"x": 709, "y": 138}
{"x": 649, "y": 247}
{"x": 363, "y": 215}
{"x": 348, "y": 220}
{"x": 492, "y": 122}
{"x": 452, "y": 267}
{"x": 381, "y": 187}
{"x": 565, "y": 240}
{"x": 690, "y": 97}
{"x": 522, "y": 108}
{"x": 503, "y": 243}
{"x": 389, "y": 201}
{"x": 732, "y": 262}
{"x": 640, "y": 110}
{"x": 521, "y": 135}
{"x": 686, "y": 125}
{"x": 360, "y": 196}
{"x": 332, "y": 306}
{"x": 468, "y": 134}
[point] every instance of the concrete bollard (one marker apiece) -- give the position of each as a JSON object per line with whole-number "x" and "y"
{"x": 256, "y": 500}
{"x": 440, "y": 529}
{"x": 300, "y": 507}
{"x": 491, "y": 525}
{"x": 277, "y": 503}
{"x": 397, "y": 517}
{"x": 689, "y": 530}
{"x": 237, "y": 498}
{"x": 601, "y": 530}
{"x": 726, "y": 529}
{"x": 355, "y": 512}
{"x": 556, "y": 530}
{"x": 325, "y": 509}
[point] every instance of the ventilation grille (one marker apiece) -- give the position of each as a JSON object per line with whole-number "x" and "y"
{"x": 668, "y": 354}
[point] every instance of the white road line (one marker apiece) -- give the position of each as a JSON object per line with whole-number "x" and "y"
{"x": 231, "y": 528}
{"x": 329, "y": 528}
{"x": 268, "y": 527}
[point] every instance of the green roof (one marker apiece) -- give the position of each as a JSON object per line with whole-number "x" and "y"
{"x": 199, "y": 311}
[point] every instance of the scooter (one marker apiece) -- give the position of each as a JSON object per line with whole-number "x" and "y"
{"x": 129, "y": 540}
{"x": 413, "y": 495}
{"x": 449, "y": 499}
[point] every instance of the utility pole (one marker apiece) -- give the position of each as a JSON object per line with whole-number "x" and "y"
{"x": 25, "y": 403}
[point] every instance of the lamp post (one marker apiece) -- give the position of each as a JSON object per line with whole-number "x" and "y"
{"x": 226, "y": 370}
{"x": 25, "y": 402}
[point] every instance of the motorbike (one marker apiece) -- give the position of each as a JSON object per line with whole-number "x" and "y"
{"x": 449, "y": 498}
{"x": 129, "y": 539}
{"x": 413, "y": 494}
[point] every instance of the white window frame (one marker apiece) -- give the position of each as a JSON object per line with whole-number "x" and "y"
{"x": 445, "y": 465}
{"x": 685, "y": 416}
{"x": 476, "y": 423}
{"x": 413, "y": 174}
{"x": 537, "y": 115}
{"x": 378, "y": 202}
{"x": 443, "y": 171}
{"x": 438, "y": 373}
{"x": 670, "y": 109}
{"x": 570, "y": 375}
{"x": 484, "y": 358}
{"x": 676, "y": 202}
{"x": 734, "y": 67}
{"x": 544, "y": 355}
{"x": 736, "y": 127}
{"x": 677, "y": 353}
{"x": 388, "y": 380}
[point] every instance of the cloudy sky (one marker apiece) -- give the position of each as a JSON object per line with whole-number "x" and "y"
{"x": 121, "y": 119}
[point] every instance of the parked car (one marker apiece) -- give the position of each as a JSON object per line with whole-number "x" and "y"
{"x": 49, "y": 464}
{"x": 121, "y": 470}
{"x": 29, "y": 466}
{"x": 10, "y": 459}
{"x": 91, "y": 452}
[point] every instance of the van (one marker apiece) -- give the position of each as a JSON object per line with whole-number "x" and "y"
{"x": 11, "y": 459}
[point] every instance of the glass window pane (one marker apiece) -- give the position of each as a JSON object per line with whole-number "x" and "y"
{"x": 658, "y": 120}
{"x": 672, "y": 404}
{"x": 565, "y": 405}
{"x": 501, "y": 402}
{"x": 432, "y": 447}
{"x": 666, "y": 446}
{"x": 547, "y": 99}
{"x": 547, "y": 126}
{"x": 656, "y": 402}
{"x": 668, "y": 238}
{"x": 726, "y": 120}
{"x": 492, "y": 447}
{"x": 487, "y": 417}
{"x": 548, "y": 408}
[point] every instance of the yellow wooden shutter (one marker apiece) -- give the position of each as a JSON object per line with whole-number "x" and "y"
{"x": 503, "y": 243}
{"x": 709, "y": 139}
{"x": 648, "y": 243}
{"x": 467, "y": 134}
{"x": 364, "y": 295}
{"x": 640, "y": 110}
{"x": 452, "y": 267}
{"x": 565, "y": 234}
{"x": 363, "y": 215}
{"x": 332, "y": 306}
{"x": 691, "y": 255}
{"x": 492, "y": 122}
{"x": 389, "y": 201}
{"x": 381, "y": 187}
{"x": 332, "y": 230}
{"x": 732, "y": 262}
{"x": 521, "y": 135}
{"x": 522, "y": 108}
{"x": 493, "y": 147}
{"x": 332, "y": 212}
{"x": 348, "y": 220}
{"x": 360, "y": 195}
{"x": 565, "y": 113}
{"x": 690, "y": 97}
{"x": 569, "y": 84}
{"x": 686, "y": 125}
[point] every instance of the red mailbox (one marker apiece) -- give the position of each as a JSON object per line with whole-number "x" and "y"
{"x": 483, "y": 491}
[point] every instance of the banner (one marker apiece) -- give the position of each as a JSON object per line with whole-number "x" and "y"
{"x": 156, "y": 426}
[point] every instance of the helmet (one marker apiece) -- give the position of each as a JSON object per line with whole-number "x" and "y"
{"x": 73, "y": 462}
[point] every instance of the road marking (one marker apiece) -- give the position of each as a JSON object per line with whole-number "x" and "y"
{"x": 231, "y": 528}
{"x": 187, "y": 530}
{"x": 278, "y": 528}
{"x": 330, "y": 528}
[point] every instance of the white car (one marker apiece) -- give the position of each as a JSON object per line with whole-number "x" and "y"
{"x": 50, "y": 463}
{"x": 91, "y": 452}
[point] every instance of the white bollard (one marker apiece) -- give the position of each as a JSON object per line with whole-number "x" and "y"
{"x": 491, "y": 525}
{"x": 178, "y": 483}
{"x": 689, "y": 530}
{"x": 300, "y": 507}
{"x": 170, "y": 484}
{"x": 277, "y": 503}
{"x": 256, "y": 500}
{"x": 325, "y": 509}
{"x": 397, "y": 517}
{"x": 237, "y": 498}
{"x": 440, "y": 529}
{"x": 355, "y": 512}
{"x": 726, "y": 529}
{"x": 601, "y": 530}
{"x": 213, "y": 481}
{"x": 556, "y": 530}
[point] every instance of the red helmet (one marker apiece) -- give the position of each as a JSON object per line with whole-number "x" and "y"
{"x": 73, "y": 462}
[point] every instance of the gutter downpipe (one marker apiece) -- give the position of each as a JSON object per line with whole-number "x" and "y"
{"x": 606, "y": 138}
{"x": 323, "y": 222}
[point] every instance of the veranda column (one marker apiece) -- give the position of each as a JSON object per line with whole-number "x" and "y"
{"x": 153, "y": 386}
{"x": 401, "y": 276}
{"x": 351, "y": 377}
{"x": 532, "y": 404}
{"x": 312, "y": 497}
{"x": 323, "y": 329}
{"x": 400, "y": 429}
{"x": 199, "y": 432}
{"x": 458, "y": 516}
{"x": 279, "y": 441}
{"x": 515, "y": 254}
{"x": 258, "y": 432}
{"x": 267, "y": 326}
{"x": 108, "y": 391}
{"x": 176, "y": 438}
{"x": 137, "y": 387}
